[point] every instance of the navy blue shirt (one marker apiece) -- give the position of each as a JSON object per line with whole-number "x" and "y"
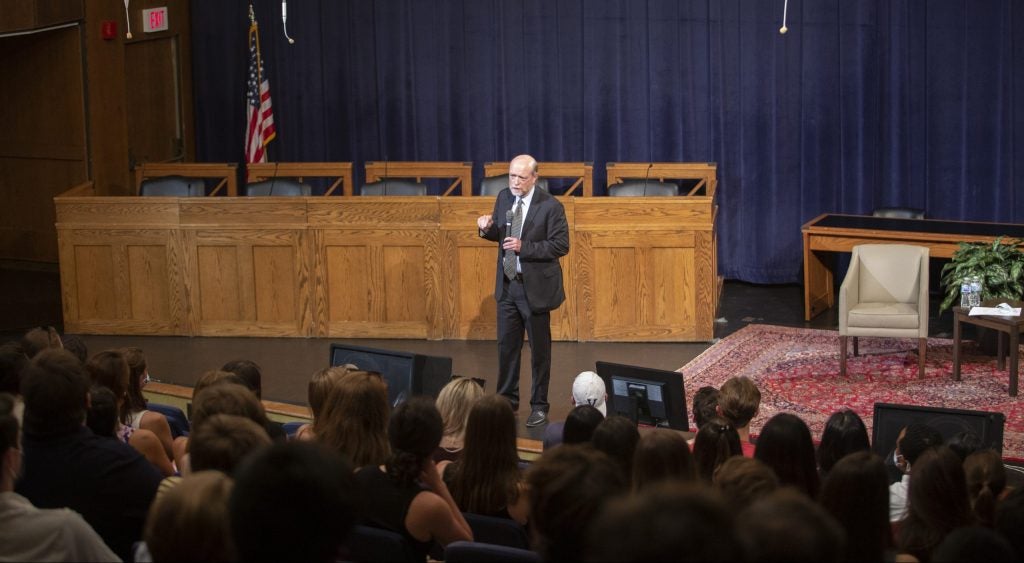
{"x": 106, "y": 481}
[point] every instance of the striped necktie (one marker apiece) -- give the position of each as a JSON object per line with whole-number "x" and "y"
{"x": 509, "y": 263}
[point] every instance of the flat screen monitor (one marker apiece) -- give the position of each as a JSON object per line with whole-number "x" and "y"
{"x": 648, "y": 396}
{"x": 889, "y": 419}
{"x": 406, "y": 373}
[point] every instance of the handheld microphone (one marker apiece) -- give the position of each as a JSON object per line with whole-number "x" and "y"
{"x": 508, "y": 223}
{"x": 284, "y": 21}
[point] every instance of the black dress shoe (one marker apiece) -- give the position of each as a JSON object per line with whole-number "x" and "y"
{"x": 536, "y": 419}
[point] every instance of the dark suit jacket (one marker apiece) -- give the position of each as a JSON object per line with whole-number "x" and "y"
{"x": 545, "y": 239}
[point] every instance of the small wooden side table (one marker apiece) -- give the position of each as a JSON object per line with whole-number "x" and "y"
{"x": 1012, "y": 326}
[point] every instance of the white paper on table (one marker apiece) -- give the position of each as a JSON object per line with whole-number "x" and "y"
{"x": 1000, "y": 310}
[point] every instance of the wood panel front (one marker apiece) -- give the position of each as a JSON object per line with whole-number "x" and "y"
{"x": 374, "y": 267}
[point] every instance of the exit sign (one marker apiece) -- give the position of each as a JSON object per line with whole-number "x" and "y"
{"x": 154, "y": 19}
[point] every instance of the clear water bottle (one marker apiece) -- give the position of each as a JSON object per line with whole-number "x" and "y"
{"x": 965, "y": 292}
{"x": 975, "y": 291}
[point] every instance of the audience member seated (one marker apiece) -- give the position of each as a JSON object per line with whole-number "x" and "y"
{"x": 568, "y": 488}
{"x": 744, "y": 481}
{"x": 252, "y": 377}
{"x": 12, "y": 363}
{"x": 785, "y": 445}
{"x": 223, "y": 441}
{"x": 191, "y": 521}
{"x": 739, "y": 401}
{"x": 856, "y": 494}
{"x": 617, "y": 437}
{"x": 407, "y": 495}
{"x": 354, "y": 419}
{"x": 454, "y": 402}
{"x": 788, "y": 526}
{"x": 76, "y": 346}
{"x": 219, "y": 398}
{"x": 39, "y": 339}
{"x": 26, "y": 532}
{"x": 136, "y": 402}
{"x": 102, "y": 420}
{"x": 844, "y": 434}
{"x": 937, "y": 503}
{"x": 669, "y": 522}
{"x": 705, "y": 407}
{"x": 65, "y": 465}
{"x": 587, "y": 389}
{"x": 1010, "y": 519}
{"x": 911, "y": 442}
{"x": 109, "y": 369}
{"x": 316, "y": 393}
{"x": 964, "y": 444}
{"x": 662, "y": 455}
{"x": 986, "y": 479}
{"x": 293, "y": 501}
{"x": 486, "y": 479}
{"x": 580, "y": 424}
{"x": 716, "y": 442}
{"x": 215, "y": 377}
{"x": 974, "y": 543}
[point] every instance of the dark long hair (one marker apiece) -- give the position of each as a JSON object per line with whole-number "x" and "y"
{"x": 785, "y": 445}
{"x": 354, "y": 418}
{"x": 856, "y": 493}
{"x": 844, "y": 434}
{"x": 986, "y": 479}
{"x": 414, "y": 432}
{"x": 137, "y": 365}
{"x": 716, "y": 442}
{"x": 110, "y": 369}
{"x": 662, "y": 455}
{"x": 937, "y": 502}
{"x": 486, "y": 479}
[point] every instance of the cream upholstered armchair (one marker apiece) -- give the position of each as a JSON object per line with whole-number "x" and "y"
{"x": 885, "y": 293}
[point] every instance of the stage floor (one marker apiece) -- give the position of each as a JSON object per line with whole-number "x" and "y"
{"x": 31, "y": 297}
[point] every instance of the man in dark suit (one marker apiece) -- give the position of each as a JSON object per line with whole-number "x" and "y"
{"x": 534, "y": 234}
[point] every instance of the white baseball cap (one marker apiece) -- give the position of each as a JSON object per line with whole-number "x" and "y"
{"x": 588, "y": 389}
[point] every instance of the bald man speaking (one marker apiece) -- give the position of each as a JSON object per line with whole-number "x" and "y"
{"x": 534, "y": 234}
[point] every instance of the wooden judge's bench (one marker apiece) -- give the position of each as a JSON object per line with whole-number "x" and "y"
{"x": 639, "y": 268}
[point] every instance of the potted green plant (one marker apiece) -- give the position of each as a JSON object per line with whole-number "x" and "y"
{"x": 1000, "y": 265}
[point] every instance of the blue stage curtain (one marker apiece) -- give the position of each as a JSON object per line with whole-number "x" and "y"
{"x": 862, "y": 104}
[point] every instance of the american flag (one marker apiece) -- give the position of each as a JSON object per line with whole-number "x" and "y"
{"x": 259, "y": 114}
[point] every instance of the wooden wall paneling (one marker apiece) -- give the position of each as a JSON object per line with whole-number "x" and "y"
{"x": 18, "y": 15}
{"x": 105, "y": 109}
{"x": 381, "y": 264}
{"x": 43, "y": 148}
{"x": 251, "y": 282}
{"x": 122, "y": 281}
{"x": 470, "y": 312}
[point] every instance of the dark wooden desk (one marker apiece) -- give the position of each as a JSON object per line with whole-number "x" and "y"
{"x": 840, "y": 233}
{"x": 1012, "y": 326}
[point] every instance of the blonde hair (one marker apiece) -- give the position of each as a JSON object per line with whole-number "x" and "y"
{"x": 354, "y": 418}
{"x": 190, "y": 522}
{"x": 454, "y": 402}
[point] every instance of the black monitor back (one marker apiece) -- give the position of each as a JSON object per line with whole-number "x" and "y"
{"x": 674, "y": 396}
{"x": 406, "y": 373}
{"x": 890, "y": 418}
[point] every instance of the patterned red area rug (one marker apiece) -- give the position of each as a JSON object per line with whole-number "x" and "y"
{"x": 797, "y": 371}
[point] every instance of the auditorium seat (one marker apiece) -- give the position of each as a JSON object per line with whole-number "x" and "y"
{"x": 366, "y": 543}
{"x": 394, "y": 186}
{"x": 172, "y": 186}
{"x": 497, "y": 531}
{"x": 471, "y": 552}
{"x": 494, "y": 184}
{"x": 643, "y": 188}
{"x": 278, "y": 187}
